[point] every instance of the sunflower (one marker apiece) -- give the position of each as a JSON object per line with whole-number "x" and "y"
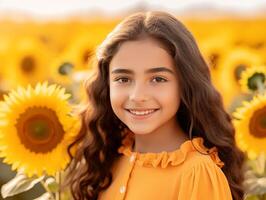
{"x": 81, "y": 50}
{"x": 250, "y": 125}
{"x": 254, "y": 36}
{"x": 75, "y": 58}
{"x": 231, "y": 68}
{"x": 27, "y": 62}
{"x": 62, "y": 68}
{"x": 214, "y": 49}
{"x": 253, "y": 79}
{"x": 4, "y": 50}
{"x": 36, "y": 127}
{"x": 55, "y": 36}
{"x": 79, "y": 55}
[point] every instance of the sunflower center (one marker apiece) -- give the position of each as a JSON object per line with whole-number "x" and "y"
{"x": 238, "y": 70}
{"x": 263, "y": 122}
{"x": 86, "y": 56}
{"x": 39, "y": 129}
{"x": 252, "y": 81}
{"x": 2, "y": 95}
{"x": 257, "y": 124}
{"x": 214, "y": 57}
{"x": 258, "y": 45}
{"x": 28, "y": 64}
{"x": 65, "y": 68}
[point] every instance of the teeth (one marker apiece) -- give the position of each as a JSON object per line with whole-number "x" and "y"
{"x": 145, "y": 112}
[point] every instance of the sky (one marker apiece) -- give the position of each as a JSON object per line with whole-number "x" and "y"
{"x": 57, "y": 8}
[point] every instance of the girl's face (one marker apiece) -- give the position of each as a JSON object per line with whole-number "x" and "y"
{"x": 144, "y": 89}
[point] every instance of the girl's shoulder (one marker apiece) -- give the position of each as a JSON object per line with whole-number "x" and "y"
{"x": 198, "y": 154}
{"x": 191, "y": 152}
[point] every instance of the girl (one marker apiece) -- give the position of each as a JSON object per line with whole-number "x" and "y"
{"x": 154, "y": 127}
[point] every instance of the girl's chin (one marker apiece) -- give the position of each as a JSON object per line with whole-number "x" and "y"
{"x": 140, "y": 131}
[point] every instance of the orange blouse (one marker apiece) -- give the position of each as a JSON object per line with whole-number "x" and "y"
{"x": 183, "y": 174}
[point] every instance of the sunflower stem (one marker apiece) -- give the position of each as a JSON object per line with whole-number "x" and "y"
{"x": 58, "y": 180}
{"x": 47, "y": 189}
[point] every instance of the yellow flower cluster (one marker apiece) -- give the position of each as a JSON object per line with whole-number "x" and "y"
{"x": 55, "y": 51}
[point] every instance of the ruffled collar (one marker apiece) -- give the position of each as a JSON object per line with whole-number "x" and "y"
{"x": 173, "y": 158}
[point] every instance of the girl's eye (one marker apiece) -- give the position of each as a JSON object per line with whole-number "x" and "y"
{"x": 126, "y": 80}
{"x": 122, "y": 80}
{"x": 159, "y": 79}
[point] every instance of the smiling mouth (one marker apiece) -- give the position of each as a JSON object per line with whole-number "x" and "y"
{"x": 143, "y": 112}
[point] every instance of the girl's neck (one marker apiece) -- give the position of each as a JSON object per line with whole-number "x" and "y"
{"x": 163, "y": 139}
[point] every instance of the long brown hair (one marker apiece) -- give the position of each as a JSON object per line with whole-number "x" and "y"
{"x": 201, "y": 112}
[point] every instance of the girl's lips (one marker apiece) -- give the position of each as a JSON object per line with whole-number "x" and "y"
{"x": 144, "y": 116}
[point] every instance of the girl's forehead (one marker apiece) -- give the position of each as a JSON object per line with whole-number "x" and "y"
{"x": 141, "y": 55}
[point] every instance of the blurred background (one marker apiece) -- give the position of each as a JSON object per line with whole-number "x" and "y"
{"x": 55, "y": 40}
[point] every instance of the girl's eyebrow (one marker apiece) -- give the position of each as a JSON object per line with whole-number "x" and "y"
{"x": 151, "y": 70}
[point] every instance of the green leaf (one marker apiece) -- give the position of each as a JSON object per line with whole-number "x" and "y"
{"x": 252, "y": 198}
{"x": 20, "y": 183}
{"x": 258, "y": 165}
{"x": 52, "y": 184}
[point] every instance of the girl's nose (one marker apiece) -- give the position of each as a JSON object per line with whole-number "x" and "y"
{"x": 138, "y": 93}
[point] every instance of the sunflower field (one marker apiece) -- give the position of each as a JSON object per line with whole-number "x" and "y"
{"x": 42, "y": 70}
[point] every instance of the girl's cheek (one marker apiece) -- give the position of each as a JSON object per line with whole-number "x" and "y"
{"x": 168, "y": 96}
{"x": 117, "y": 94}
